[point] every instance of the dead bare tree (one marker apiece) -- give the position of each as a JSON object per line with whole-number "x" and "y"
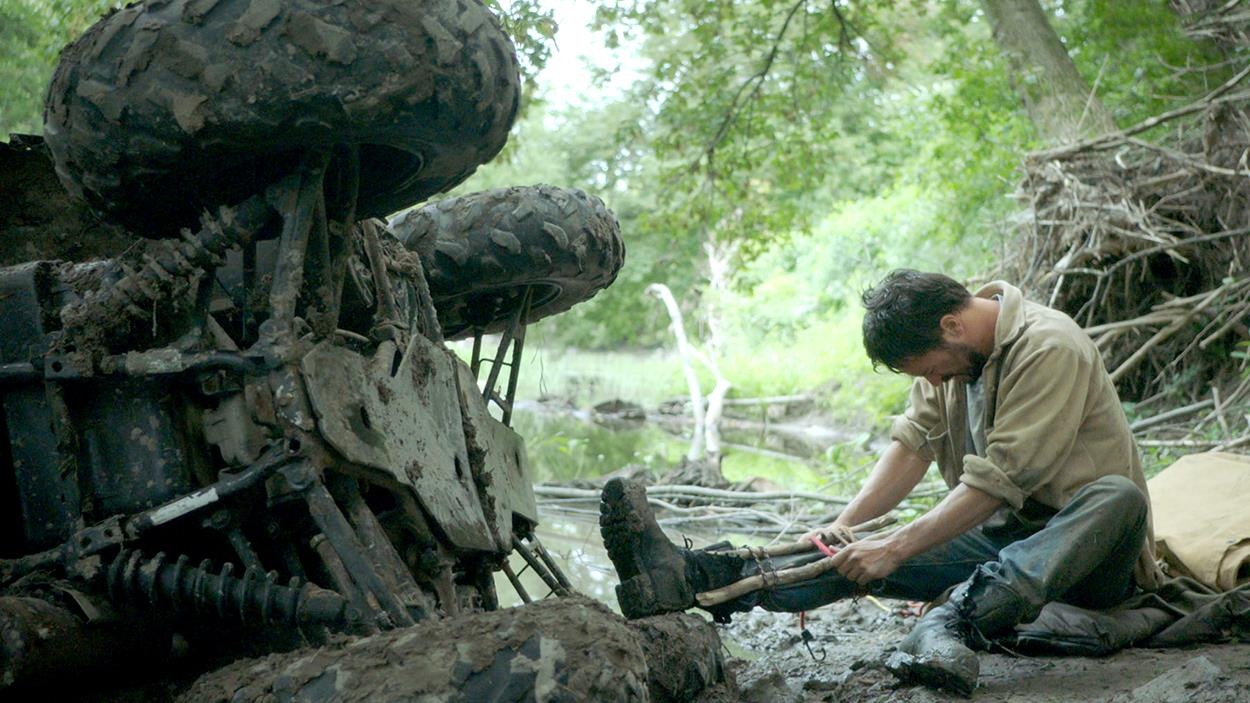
{"x": 705, "y": 444}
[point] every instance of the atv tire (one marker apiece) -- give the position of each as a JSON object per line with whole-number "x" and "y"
{"x": 482, "y": 251}
{"x": 161, "y": 110}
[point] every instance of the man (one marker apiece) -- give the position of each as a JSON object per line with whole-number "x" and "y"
{"x": 1047, "y": 500}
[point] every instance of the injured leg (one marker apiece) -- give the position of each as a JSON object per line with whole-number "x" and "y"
{"x": 656, "y": 576}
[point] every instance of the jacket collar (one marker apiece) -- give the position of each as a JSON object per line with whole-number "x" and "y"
{"x": 1011, "y": 321}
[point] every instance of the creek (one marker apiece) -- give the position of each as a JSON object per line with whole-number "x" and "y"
{"x": 565, "y": 445}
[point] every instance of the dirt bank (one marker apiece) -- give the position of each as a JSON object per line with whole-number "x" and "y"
{"x": 567, "y": 650}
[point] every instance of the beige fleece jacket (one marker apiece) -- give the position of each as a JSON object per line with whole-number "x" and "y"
{"x": 1053, "y": 420}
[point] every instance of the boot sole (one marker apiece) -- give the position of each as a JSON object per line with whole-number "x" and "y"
{"x": 650, "y": 584}
{"x": 910, "y": 669}
{"x": 622, "y": 527}
{"x": 637, "y": 598}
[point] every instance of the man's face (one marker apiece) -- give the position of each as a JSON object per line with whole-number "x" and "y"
{"x": 948, "y": 361}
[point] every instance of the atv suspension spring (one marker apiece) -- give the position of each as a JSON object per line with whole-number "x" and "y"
{"x": 172, "y": 265}
{"x": 254, "y": 598}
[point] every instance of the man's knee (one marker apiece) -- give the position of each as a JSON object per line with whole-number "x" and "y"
{"x": 1119, "y": 498}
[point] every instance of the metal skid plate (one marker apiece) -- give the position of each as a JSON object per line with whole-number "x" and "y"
{"x": 402, "y": 417}
{"x": 502, "y": 455}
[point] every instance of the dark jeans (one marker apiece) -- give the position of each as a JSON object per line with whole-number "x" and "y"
{"x": 1083, "y": 554}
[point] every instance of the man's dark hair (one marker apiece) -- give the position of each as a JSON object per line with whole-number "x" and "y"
{"x": 903, "y": 314}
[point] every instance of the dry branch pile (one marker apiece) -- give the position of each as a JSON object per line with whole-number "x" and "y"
{"x": 778, "y": 515}
{"x": 1224, "y": 22}
{"x": 1143, "y": 235}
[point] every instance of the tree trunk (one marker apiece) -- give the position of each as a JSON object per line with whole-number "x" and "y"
{"x": 711, "y": 472}
{"x": 1059, "y": 102}
{"x": 719, "y": 257}
{"x": 665, "y": 295}
{"x": 705, "y": 443}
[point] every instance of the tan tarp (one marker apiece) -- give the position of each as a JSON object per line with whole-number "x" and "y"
{"x": 1201, "y": 507}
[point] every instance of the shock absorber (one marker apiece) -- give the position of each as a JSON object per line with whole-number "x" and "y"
{"x": 171, "y": 266}
{"x": 254, "y": 598}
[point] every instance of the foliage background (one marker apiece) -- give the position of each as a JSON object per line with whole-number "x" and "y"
{"x": 828, "y": 142}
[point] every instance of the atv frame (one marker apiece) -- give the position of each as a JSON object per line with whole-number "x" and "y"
{"x": 270, "y": 394}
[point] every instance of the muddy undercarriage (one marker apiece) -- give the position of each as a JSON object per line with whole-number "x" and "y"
{"x": 174, "y": 446}
{"x": 242, "y": 432}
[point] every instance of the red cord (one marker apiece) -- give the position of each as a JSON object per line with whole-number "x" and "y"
{"x": 822, "y": 546}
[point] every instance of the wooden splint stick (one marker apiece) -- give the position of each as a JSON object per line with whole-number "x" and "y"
{"x": 783, "y": 577}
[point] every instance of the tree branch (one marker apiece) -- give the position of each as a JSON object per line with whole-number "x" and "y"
{"x": 758, "y": 78}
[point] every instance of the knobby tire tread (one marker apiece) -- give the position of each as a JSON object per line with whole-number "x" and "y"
{"x": 163, "y": 109}
{"x": 561, "y": 240}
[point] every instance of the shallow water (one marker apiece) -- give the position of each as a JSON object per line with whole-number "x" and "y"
{"x": 574, "y": 545}
{"x": 569, "y": 446}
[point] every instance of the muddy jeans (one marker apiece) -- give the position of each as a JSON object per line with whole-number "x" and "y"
{"x": 1083, "y": 554}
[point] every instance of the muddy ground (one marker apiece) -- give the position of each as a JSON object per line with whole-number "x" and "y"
{"x": 584, "y": 652}
{"x": 771, "y": 664}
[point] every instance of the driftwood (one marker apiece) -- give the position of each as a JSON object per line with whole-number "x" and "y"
{"x": 771, "y": 400}
{"x": 773, "y": 515}
{"x": 752, "y": 402}
{"x": 695, "y": 492}
{"x": 1184, "y": 411}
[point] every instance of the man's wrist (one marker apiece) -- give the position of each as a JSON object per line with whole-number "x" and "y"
{"x": 896, "y": 545}
{"x": 844, "y": 520}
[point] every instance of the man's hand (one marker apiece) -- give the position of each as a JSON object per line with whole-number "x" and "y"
{"x": 869, "y": 560}
{"x": 866, "y": 561}
{"x": 833, "y": 534}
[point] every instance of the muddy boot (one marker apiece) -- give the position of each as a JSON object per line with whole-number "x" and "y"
{"x": 939, "y": 651}
{"x": 656, "y": 576}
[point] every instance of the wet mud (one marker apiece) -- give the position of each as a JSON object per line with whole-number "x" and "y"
{"x": 38, "y": 218}
{"x": 772, "y": 664}
{"x": 571, "y": 649}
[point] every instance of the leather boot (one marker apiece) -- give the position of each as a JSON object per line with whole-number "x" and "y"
{"x": 938, "y": 652}
{"x": 656, "y": 576}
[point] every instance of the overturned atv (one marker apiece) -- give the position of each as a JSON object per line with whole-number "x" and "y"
{"x": 241, "y": 431}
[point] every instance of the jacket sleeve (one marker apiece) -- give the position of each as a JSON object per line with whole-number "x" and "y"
{"x": 922, "y": 422}
{"x": 1040, "y": 404}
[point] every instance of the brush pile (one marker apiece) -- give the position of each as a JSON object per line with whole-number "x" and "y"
{"x": 1143, "y": 237}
